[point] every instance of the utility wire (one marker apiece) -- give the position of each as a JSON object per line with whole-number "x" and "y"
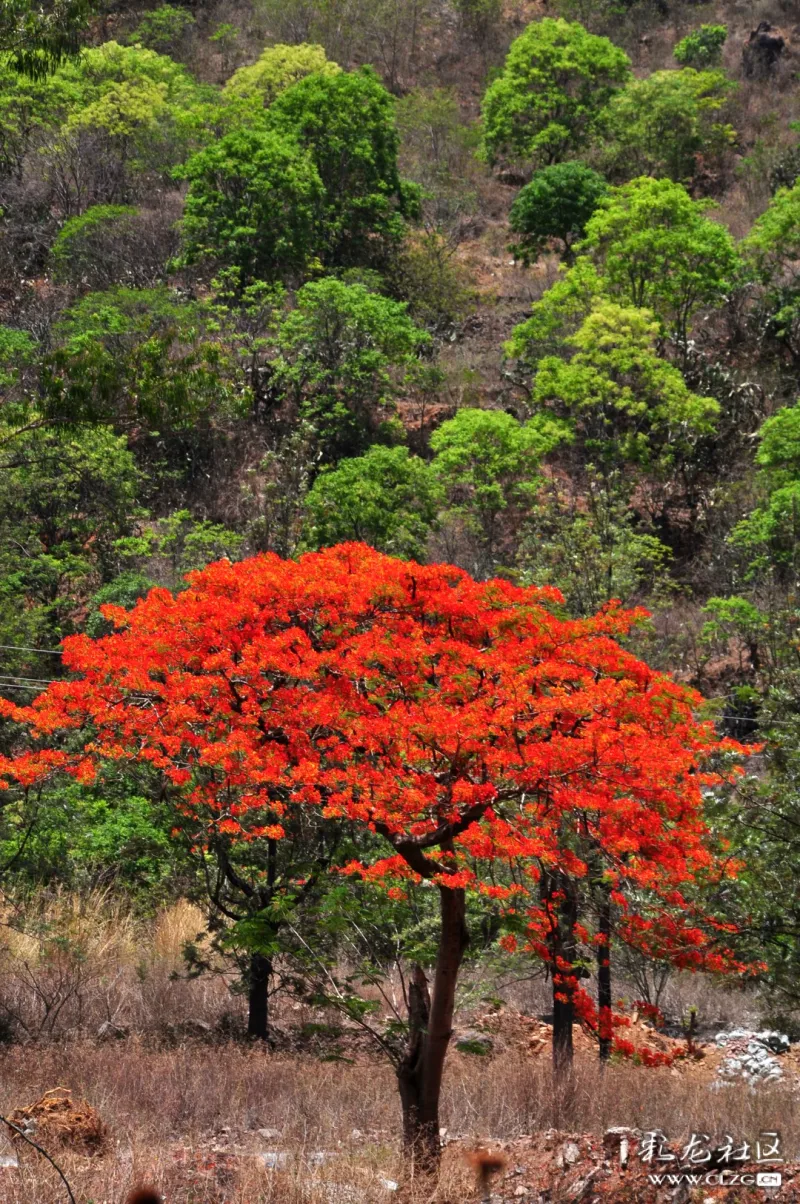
{"x": 22, "y": 648}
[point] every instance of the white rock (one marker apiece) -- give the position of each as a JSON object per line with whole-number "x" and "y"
{"x": 274, "y": 1160}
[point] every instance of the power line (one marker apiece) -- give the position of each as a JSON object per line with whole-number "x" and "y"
{"x": 21, "y": 648}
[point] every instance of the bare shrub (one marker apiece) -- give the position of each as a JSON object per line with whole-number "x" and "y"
{"x": 73, "y": 965}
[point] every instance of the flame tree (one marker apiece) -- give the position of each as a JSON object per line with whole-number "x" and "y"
{"x": 464, "y": 723}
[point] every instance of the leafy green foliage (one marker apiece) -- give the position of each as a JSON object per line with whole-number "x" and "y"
{"x": 660, "y": 124}
{"x": 64, "y": 501}
{"x": 344, "y": 353}
{"x": 557, "y": 203}
{"x": 625, "y": 402}
{"x": 102, "y": 71}
{"x": 114, "y": 120}
{"x": 551, "y": 97}
{"x": 656, "y": 249}
{"x": 770, "y": 534}
{"x": 779, "y": 442}
{"x": 140, "y": 355}
{"x": 253, "y": 203}
{"x": 17, "y": 350}
{"x": 487, "y": 463}
{"x": 346, "y": 124}
{"x": 386, "y": 498}
{"x": 85, "y": 839}
{"x": 163, "y": 28}
{"x": 702, "y": 47}
{"x": 171, "y": 547}
{"x": 278, "y": 68}
{"x": 772, "y": 249}
{"x": 39, "y": 36}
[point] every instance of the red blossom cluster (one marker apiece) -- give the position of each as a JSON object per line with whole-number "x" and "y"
{"x": 488, "y": 739}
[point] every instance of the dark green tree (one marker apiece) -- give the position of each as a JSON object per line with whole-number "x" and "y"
{"x": 254, "y": 203}
{"x": 556, "y": 204}
{"x": 488, "y": 464}
{"x": 702, "y": 47}
{"x": 344, "y": 354}
{"x": 346, "y": 124}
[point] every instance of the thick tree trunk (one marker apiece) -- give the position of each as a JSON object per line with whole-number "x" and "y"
{"x": 258, "y": 978}
{"x": 420, "y": 1073}
{"x": 604, "y": 975}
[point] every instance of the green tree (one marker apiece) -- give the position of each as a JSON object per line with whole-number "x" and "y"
{"x": 773, "y": 244}
{"x": 110, "y": 835}
{"x": 278, "y": 67}
{"x": 772, "y": 250}
{"x": 163, "y": 29}
{"x": 557, "y": 203}
{"x": 138, "y": 357}
{"x": 39, "y": 36}
{"x": 344, "y": 353}
{"x": 660, "y": 124}
{"x": 17, "y": 353}
{"x": 118, "y": 120}
{"x": 346, "y": 124}
{"x": 253, "y": 203}
{"x": 163, "y": 552}
{"x": 551, "y": 97}
{"x": 386, "y": 498}
{"x": 624, "y": 402}
{"x": 65, "y": 499}
{"x": 770, "y": 535}
{"x": 487, "y": 463}
{"x": 702, "y": 47}
{"x": 655, "y": 248}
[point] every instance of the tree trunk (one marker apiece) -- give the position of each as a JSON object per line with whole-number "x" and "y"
{"x": 419, "y": 1075}
{"x": 605, "y": 1034}
{"x": 258, "y": 978}
{"x": 558, "y": 894}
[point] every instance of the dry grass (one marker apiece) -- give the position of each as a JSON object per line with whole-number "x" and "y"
{"x": 187, "y": 1119}
{"x": 73, "y": 964}
{"x": 185, "y": 1114}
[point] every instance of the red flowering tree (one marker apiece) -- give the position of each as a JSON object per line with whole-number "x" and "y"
{"x": 462, "y": 722}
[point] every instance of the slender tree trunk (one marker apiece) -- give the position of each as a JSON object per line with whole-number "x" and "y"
{"x": 559, "y": 898}
{"x": 604, "y": 975}
{"x": 430, "y": 1029}
{"x": 259, "y": 976}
